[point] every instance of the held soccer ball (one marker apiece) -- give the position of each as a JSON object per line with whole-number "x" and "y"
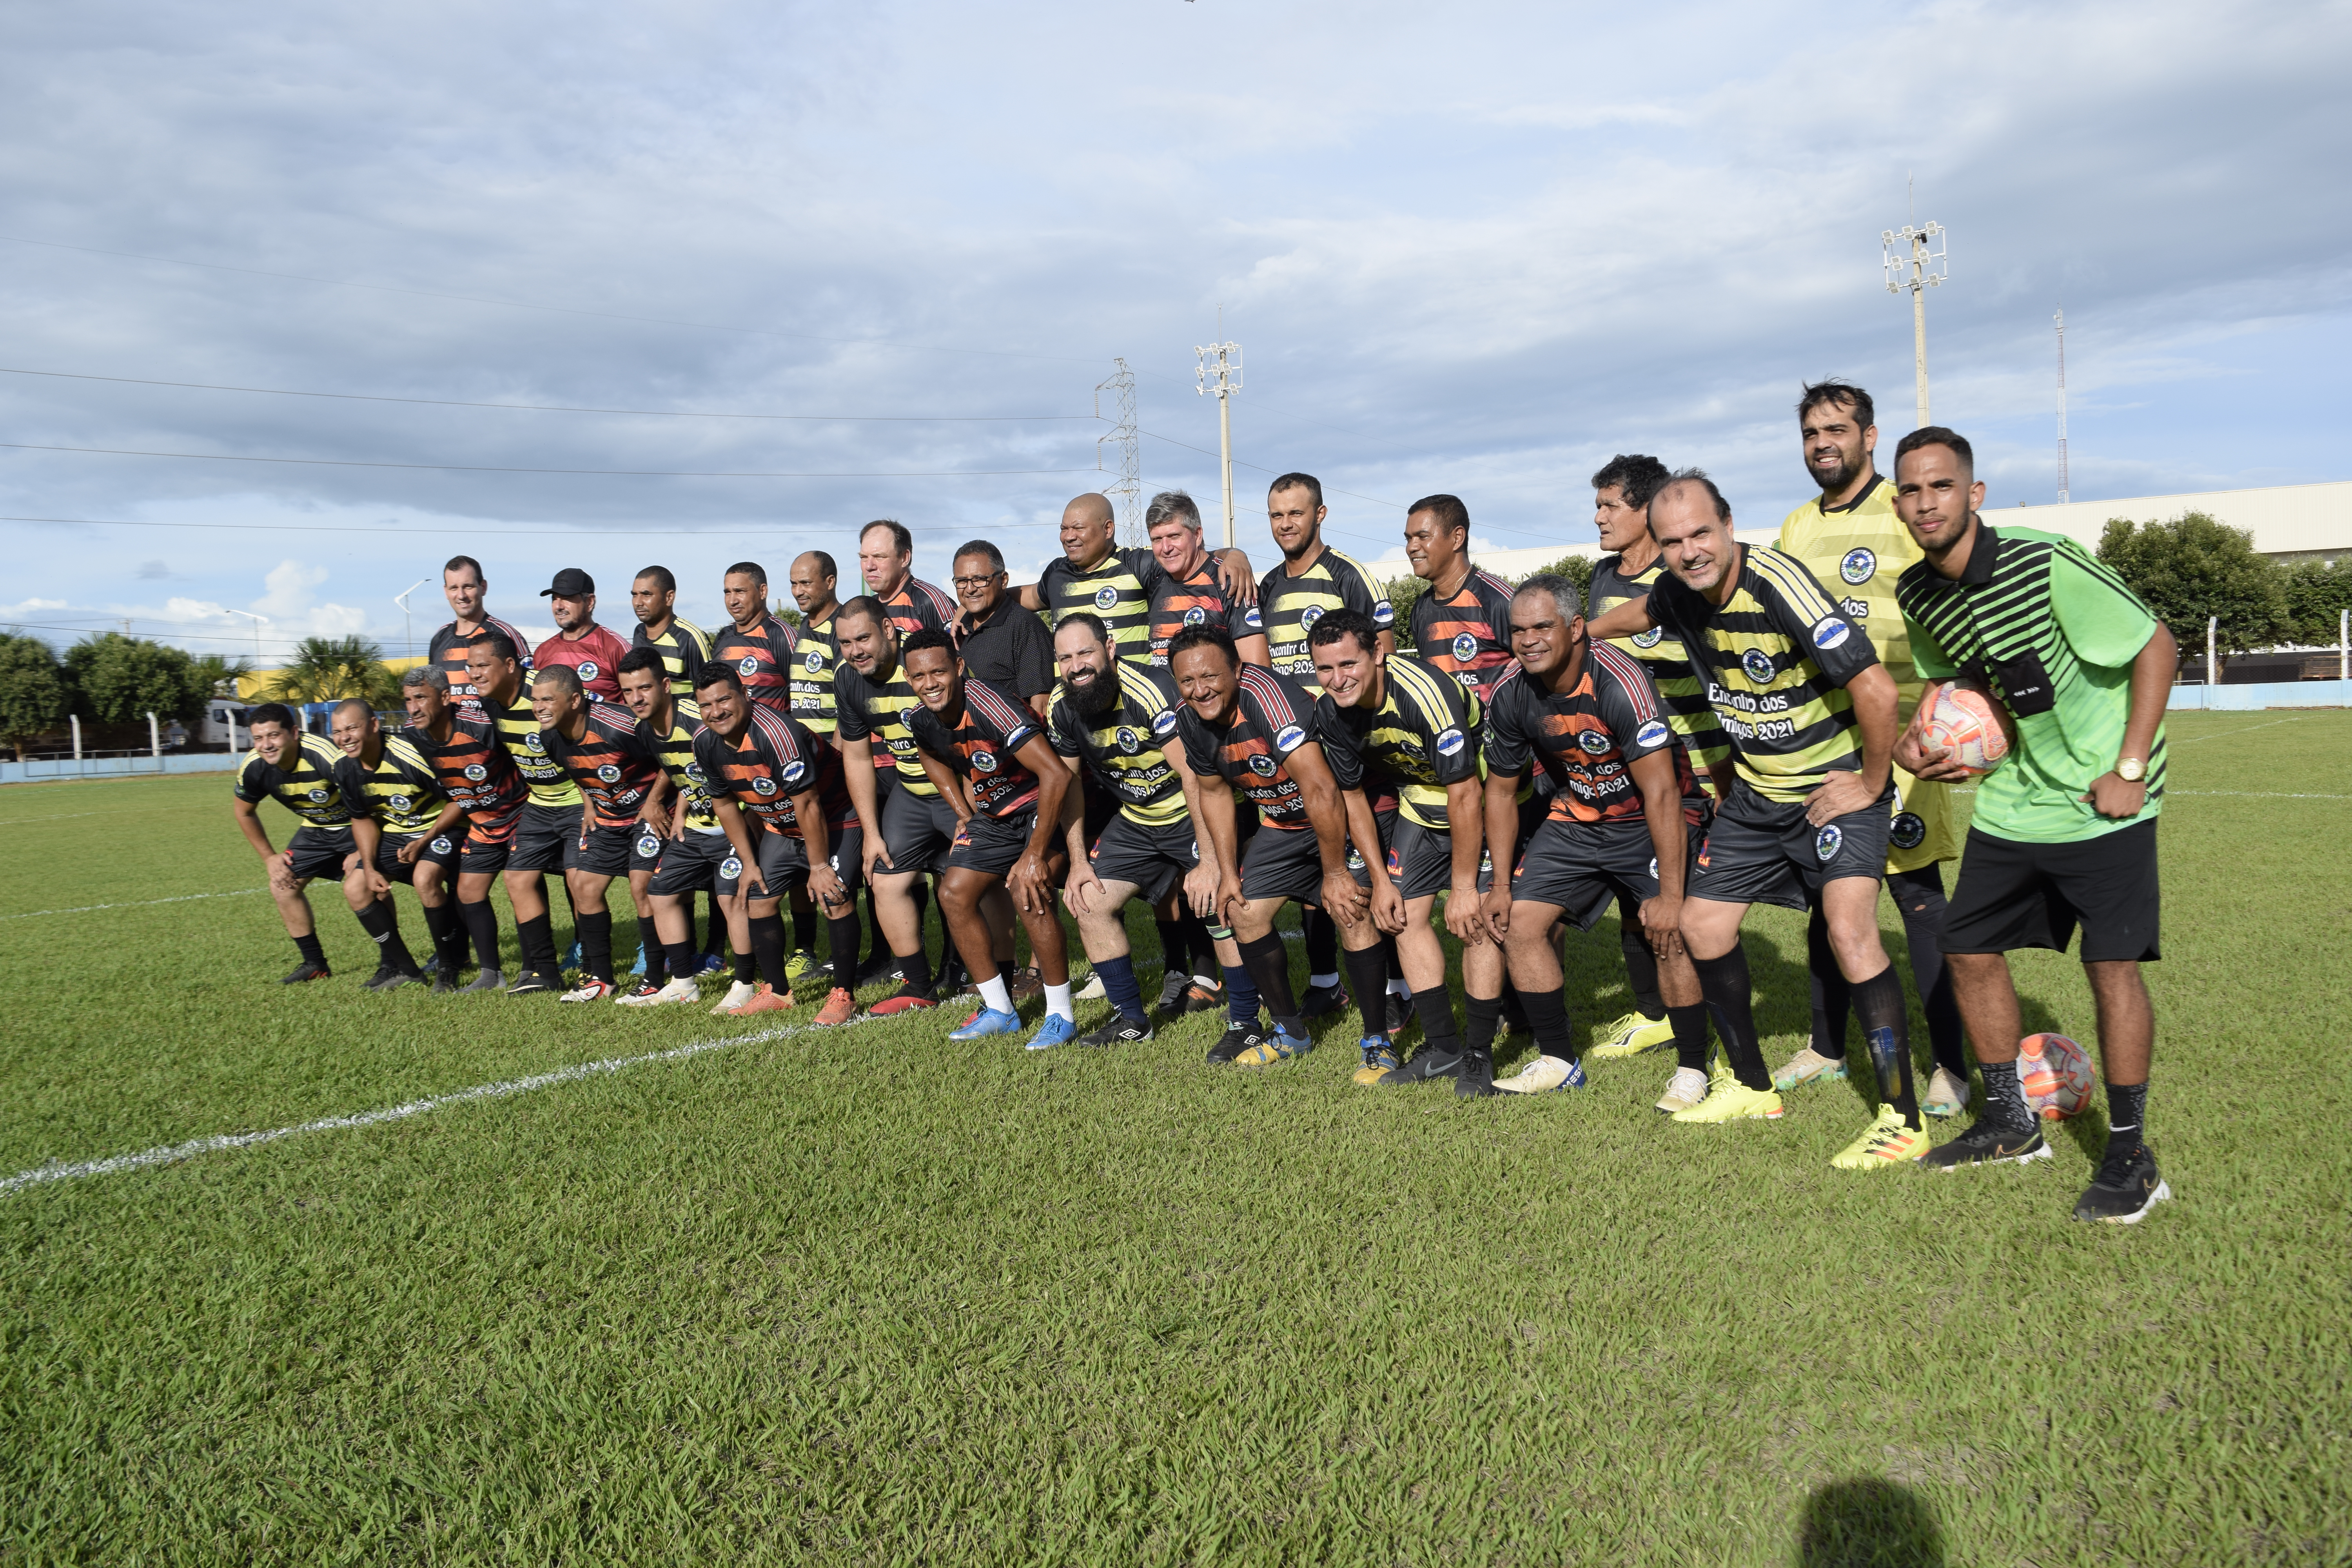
{"x": 1969, "y": 723}
{"x": 2056, "y": 1075}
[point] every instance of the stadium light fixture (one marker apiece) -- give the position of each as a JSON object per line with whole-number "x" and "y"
{"x": 1916, "y": 257}
{"x": 1218, "y": 369}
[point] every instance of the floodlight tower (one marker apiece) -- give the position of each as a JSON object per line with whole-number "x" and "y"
{"x": 1220, "y": 371}
{"x": 1922, "y": 249}
{"x": 1127, "y": 493}
{"x": 2061, "y": 407}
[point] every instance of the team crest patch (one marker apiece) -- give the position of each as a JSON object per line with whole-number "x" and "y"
{"x": 609, "y": 773}
{"x": 985, "y": 761}
{"x": 1859, "y": 566}
{"x": 1757, "y": 665}
{"x": 1830, "y": 632}
{"x": 1907, "y": 831}
{"x": 1593, "y": 741}
{"x": 1448, "y": 742}
{"x": 1654, "y": 867}
{"x": 1251, "y": 619}
{"x": 1355, "y": 862}
{"x": 1383, "y": 613}
{"x": 587, "y": 670}
{"x": 398, "y": 802}
{"x": 1196, "y": 616}
{"x": 648, "y": 846}
{"x": 1289, "y": 738}
{"x": 318, "y": 793}
{"x": 764, "y": 786}
{"x": 748, "y": 665}
{"x": 532, "y": 742}
{"x": 1650, "y": 638}
{"x": 440, "y": 845}
{"x": 1105, "y": 598}
{"x": 1309, "y": 616}
{"x": 1128, "y": 741}
{"x": 1652, "y": 734}
{"x": 476, "y": 772}
{"x": 1465, "y": 646}
{"x": 813, "y": 661}
{"x": 1262, "y": 765}
{"x": 1165, "y": 724}
{"x": 795, "y": 771}
{"x": 1828, "y": 842}
{"x": 693, "y": 774}
{"x": 732, "y": 868}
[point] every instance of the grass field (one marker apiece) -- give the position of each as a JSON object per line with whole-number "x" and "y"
{"x": 865, "y": 1296}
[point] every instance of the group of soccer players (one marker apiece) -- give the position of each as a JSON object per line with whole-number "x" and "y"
{"x": 1710, "y": 725}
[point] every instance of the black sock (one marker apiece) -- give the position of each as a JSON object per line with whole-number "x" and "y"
{"x": 1547, "y": 1020}
{"x": 1322, "y": 943}
{"x": 537, "y": 936}
{"x": 841, "y": 936}
{"x": 684, "y": 957}
{"x": 1367, "y": 977}
{"x": 1832, "y": 996}
{"x": 311, "y": 951}
{"x": 1919, "y": 899}
{"x": 2127, "y": 1115}
{"x": 767, "y": 951}
{"x": 1724, "y": 983}
{"x": 656, "y": 953}
{"x": 746, "y": 968}
{"x": 448, "y": 935}
{"x": 482, "y": 924}
{"x": 1485, "y": 1016}
{"x": 803, "y": 929}
{"x": 381, "y": 920}
{"x": 1267, "y": 959}
{"x": 1203, "y": 946}
{"x": 1435, "y": 1007}
{"x": 1174, "y": 947}
{"x": 2004, "y": 1101}
{"x": 1878, "y": 1003}
{"x": 1692, "y": 1047}
{"x": 1641, "y": 963}
{"x": 915, "y": 968}
{"x": 595, "y": 934}
{"x": 714, "y": 928}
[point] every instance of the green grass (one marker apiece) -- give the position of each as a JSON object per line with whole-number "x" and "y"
{"x": 869, "y": 1297}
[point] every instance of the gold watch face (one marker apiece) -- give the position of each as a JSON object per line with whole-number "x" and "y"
{"x": 2130, "y": 769}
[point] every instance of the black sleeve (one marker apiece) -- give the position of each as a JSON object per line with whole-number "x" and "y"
{"x": 248, "y": 786}
{"x": 1147, "y": 569}
{"x": 1802, "y": 611}
{"x": 350, "y": 783}
{"x": 1453, "y": 732}
{"x": 850, "y": 704}
{"x": 1503, "y": 742}
{"x": 1339, "y": 744}
{"x": 1032, "y": 660}
{"x": 933, "y": 737}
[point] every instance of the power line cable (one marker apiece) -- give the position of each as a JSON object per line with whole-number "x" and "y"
{"x": 503, "y": 468}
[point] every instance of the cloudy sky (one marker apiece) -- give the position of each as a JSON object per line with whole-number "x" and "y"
{"x": 814, "y": 264}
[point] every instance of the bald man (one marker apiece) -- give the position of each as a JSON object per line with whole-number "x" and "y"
{"x": 1096, "y": 575}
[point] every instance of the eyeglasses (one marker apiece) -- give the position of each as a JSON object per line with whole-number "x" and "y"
{"x": 982, "y": 582}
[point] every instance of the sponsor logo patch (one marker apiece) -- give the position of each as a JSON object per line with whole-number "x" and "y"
{"x": 1355, "y": 863}
{"x": 1289, "y": 738}
{"x": 1859, "y": 566}
{"x": 1449, "y": 741}
{"x": 587, "y": 670}
{"x": 398, "y": 802}
{"x": 1196, "y": 616}
{"x": 1831, "y": 631}
{"x": 731, "y": 868}
{"x": 1309, "y": 616}
{"x": 1828, "y": 842}
{"x": 648, "y": 846}
{"x": 1652, "y": 734}
{"x": 1757, "y": 665}
{"x": 813, "y": 661}
{"x": 1165, "y": 724}
{"x": 318, "y": 792}
{"x": 531, "y": 742}
{"x": 1262, "y": 765}
{"x": 1251, "y": 619}
{"x": 693, "y": 774}
{"x": 1654, "y": 867}
{"x": 440, "y": 845}
{"x": 795, "y": 771}
{"x": 1907, "y": 831}
{"x": 1465, "y": 646}
{"x": 1383, "y": 613}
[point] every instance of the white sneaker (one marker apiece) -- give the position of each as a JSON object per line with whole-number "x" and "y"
{"x": 740, "y": 992}
{"x": 1946, "y": 1095}
{"x": 682, "y": 989}
{"x": 589, "y": 990}
{"x": 1687, "y": 1087}
{"x": 1538, "y": 1077}
{"x": 1092, "y": 991}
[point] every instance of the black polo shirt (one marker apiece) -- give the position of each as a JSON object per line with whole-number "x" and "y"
{"x": 1011, "y": 650}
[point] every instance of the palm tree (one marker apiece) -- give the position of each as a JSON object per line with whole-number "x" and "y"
{"x": 326, "y": 669}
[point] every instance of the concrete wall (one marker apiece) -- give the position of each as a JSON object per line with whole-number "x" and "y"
{"x": 119, "y": 767}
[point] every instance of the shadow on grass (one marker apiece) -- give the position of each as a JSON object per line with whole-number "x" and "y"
{"x": 1868, "y": 1521}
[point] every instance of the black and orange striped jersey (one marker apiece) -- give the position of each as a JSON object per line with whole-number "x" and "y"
{"x": 1290, "y": 606}
{"x": 518, "y": 729}
{"x": 769, "y": 763}
{"x": 306, "y": 786}
{"x": 762, "y": 658}
{"x": 1423, "y": 737}
{"x": 1200, "y": 600}
{"x": 1583, "y": 738}
{"x": 816, "y": 653}
{"x": 474, "y": 771}
{"x": 398, "y": 792}
{"x": 674, "y": 749}
{"x": 1466, "y": 634}
{"x": 1120, "y": 743}
{"x": 1663, "y": 655}
{"x": 868, "y": 710}
{"x": 1271, "y": 717}
{"x": 1120, "y": 588}
{"x": 447, "y": 653}
{"x": 683, "y": 648}
{"x": 917, "y": 605}
{"x": 983, "y": 748}
{"x": 614, "y": 765}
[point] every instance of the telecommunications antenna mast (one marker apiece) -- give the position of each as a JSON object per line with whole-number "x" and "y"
{"x": 1126, "y": 494}
{"x": 2061, "y": 407}
{"x": 1220, "y": 371}
{"x": 1922, "y": 250}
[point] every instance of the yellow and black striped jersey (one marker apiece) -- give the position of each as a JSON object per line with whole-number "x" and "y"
{"x": 866, "y": 709}
{"x": 550, "y": 783}
{"x": 683, "y": 648}
{"x": 1663, "y": 656}
{"x": 815, "y": 657}
{"x": 1421, "y": 737}
{"x": 674, "y": 749}
{"x": 1121, "y": 743}
{"x": 307, "y": 787}
{"x": 1776, "y": 658}
{"x": 400, "y": 794}
{"x": 1119, "y": 588}
{"x": 1857, "y": 551}
{"x": 1291, "y": 604}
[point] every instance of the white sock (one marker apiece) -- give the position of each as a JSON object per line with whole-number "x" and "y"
{"x": 1323, "y": 979}
{"x": 1058, "y": 1002}
{"x": 993, "y": 996}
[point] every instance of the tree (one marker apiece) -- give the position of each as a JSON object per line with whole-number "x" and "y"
{"x": 2195, "y": 567}
{"x": 214, "y": 676}
{"x": 326, "y": 669}
{"x": 31, "y": 690}
{"x": 118, "y": 679}
{"x": 2318, "y": 592}
{"x": 1405, "y": 591}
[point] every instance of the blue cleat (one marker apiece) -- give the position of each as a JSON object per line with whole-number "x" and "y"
{"x": 711, "y": 965}
{"x": 987, "y": 1020}
{"x": 639, "y": 967}
{"x": 1056, "y": 1030}
{"x": 1279, "y": 1046}
{"x": 570, "y": 959}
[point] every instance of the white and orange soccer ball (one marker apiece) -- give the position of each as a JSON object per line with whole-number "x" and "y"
{"x": 2055, "y": 1075}
{"x": 1968, "y": 723}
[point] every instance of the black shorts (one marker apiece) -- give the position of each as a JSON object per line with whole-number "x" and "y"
{"x": 646, "y": 843}
{"x": 320, "y": 852}
{"x": 693, "y": 862}
{"x": 1154, "y": 858}
{"x": 440, "y": 849}
{"x": 1585, "y": 867}
{"x": 1763, "y": 851}
{"x": 1283, "y": 863}
{"x": 2014, "y": 894}
{"x": 989, "y": 844}
{"x": 1421, "y": 860}
{"x": 547, "y": 838}
{"x": 1384, "y": 819}
{"x": 609, "y": 850}
{"x": 1101, "y": 805}
{"x": 784, "y": 862}
{"x": 918, "y": 830}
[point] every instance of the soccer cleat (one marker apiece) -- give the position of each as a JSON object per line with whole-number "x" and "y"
{"x": 1053, "y": 1030}
{"x": 905, "y": 999}
{"x": 531, "y": 983}
{"x": 642, "y": 995}
{"x": 1172, "y": 987}
{"x": 740, "y": 992}
{"x": 878, "y": 967}
{"x": 1887, "y": 1140}
{"x": 681, "y": 988}
{"x": 1399, "y": 1012}
{"x": 839, "y": 1007}
{"x": 488, "y": 980}
{"x": 766, "y": 999}
{"x": 987, "y": 1020}
{"x": 1986, "y": 1144}
{"x": 400, "y": 977}
{"x": 380, "y": 979}
{"x": 1380, "y": 1059}
{"x": 1092, "y": 991}
{"x": 432, "y": 964}
{"x": 1687, "y": 1087}
{"x": 1279, "y": 1046}
{"x": 1476, "y": 1079}
{"x": 638, "y": 970}
{"x": 1946, "y": 1095}
{"x": 1631, "y": 1035}
{"x": 1238, "y": 1038}
{"x": 307, "y": 970}
{"x": 589, "y": 990}
{"x": 570, "y": 959}
{"x": 1023, "y": 983}
{"x": 1121, "y": 1030}
{"x": 800, "y": 963}
{"x": 1728, "y": 1099}
{"x": 2127, "y": 1185}
{"x": 711, "y": 965}
{"x": 446, "y": 984}
{"x": 1322, "y": 999}
{"x": 1544, "y": 1075}
{"x": 1428, "y": 1065}
{"x": 1805, "y": 1067}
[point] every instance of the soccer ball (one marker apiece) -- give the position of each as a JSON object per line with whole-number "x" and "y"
{"x": 1969, "y": 724}
{"x": 2056, "y": 1075}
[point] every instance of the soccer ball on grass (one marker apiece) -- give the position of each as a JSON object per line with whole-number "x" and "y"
{"x": 2055, "y": 1075}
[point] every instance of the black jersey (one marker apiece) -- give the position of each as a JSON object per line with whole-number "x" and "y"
{"x": 306, "y": 786}
{"x": 1271, "y": 719}
{"x": 1120, "y": 588}
{"x": 769, "y": 763}
{"x": 1584, "y": 738}
{"x": 1119, "y": 744}
{"x": 983, "y": 748}
{"x": 917, "y": 605}
{"x": 1291, "y": 605}
{"x": 447, "y": 653}
{"x": 1200, "y": 600}
{"x": 674, "y": 749}
{"x": 613, "y": 764}
{"x": 866, "y": 709}
{"x": 1422, "y": 738}
{"x": 816, "y": 653}
{"x": 399, "y": 794}
{"x": 518, "y": 729}
{"x": 683, "y": 648}
{"x": 762, "y": 658}
{"x": 475, "y": 770}
{"x": 1663, "y": 655}
{"x": 1467, "y": 633}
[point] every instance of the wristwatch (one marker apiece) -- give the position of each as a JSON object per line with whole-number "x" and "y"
{"x": 2131, "y": 770}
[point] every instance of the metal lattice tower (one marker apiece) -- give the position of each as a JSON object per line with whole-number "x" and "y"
{"x": 2061, "y": 407}
{"x": 1930, "y": 264}
{"x": 1126, "y": 495}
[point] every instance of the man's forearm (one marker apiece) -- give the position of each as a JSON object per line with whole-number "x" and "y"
{"x": 2151, "y": 686}
{"x": 1503, "y": 820}
{"x": 1464, "y": 816}
{"x": 1872, "y": 694}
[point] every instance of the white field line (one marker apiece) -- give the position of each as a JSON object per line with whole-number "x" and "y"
{"x": 61, "y": 816}
{"x": 56, "y": 1170}
{"x": 2253, "y": 794}
{"x": 2244, "y": 729}
{"x": 134, "y": 904}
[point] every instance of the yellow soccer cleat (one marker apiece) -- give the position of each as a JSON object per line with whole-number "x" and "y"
{"x": 1631, "y": 1035}
{"x": 1885, "y": 1142}
{"x": 1728, "y": 1099}
{"x": 1379, "y": 1061}
{"x": 800, "y": 963}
